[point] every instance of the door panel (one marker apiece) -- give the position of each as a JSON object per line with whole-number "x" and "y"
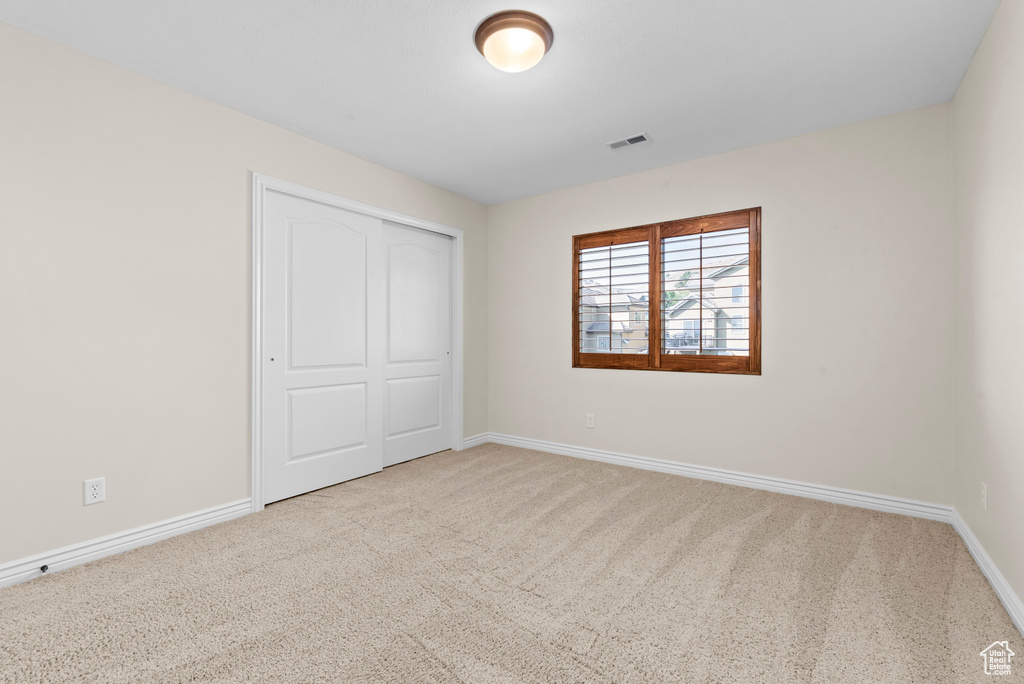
{"x": 327, "y": 294}
{"x": 323, "y": 420}
{"x": 323, "y": 374}
{"x": 413, "y": 301}
{"x": 418, "y": 369}
{"x": 413, "y": 404}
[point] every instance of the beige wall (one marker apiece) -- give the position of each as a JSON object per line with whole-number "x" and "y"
{"x": 988, "y": 128}
{"x": 857, "y": 277}
{"x": 125, "y": 290}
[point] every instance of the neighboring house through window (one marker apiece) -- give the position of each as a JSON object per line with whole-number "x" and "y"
{"x": 680, "y": 295}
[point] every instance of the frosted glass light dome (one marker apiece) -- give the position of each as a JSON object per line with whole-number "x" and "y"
{"x": 514, "y": 40}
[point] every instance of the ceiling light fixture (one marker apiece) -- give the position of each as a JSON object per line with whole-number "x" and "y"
{"x": 514, "y": 40}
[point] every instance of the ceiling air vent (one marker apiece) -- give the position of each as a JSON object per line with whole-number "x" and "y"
{"x": 626, "y": 142}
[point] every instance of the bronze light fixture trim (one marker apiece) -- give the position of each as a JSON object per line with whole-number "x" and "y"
{"x": 514, "y": 40}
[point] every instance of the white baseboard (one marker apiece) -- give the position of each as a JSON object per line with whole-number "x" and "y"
{"x": 1006, "y": 594}
{"x": 848, "y": 497}
{"x": 476, "y": 440}
{"x": 24, "y": 569}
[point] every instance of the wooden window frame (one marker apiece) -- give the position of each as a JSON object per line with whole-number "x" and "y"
{"x": 653, "y": 234}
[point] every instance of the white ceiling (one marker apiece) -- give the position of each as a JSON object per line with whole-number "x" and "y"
{"x": 399, "y": 82}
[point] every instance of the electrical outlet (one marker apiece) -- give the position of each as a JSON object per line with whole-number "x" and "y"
{"x": 95, "y": 490}
{"x": 984, "y": 496}
{"x": 590, "y": 420}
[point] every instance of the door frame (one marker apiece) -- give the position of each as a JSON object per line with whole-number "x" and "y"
{"x": 261, "y": 184}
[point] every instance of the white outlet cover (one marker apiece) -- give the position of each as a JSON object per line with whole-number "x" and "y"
{"x": 94, "y": 491}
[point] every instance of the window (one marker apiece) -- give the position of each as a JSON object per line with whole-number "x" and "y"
{"x": 681, "y": 296}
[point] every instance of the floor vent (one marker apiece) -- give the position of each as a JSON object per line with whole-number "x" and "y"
{"x": 626, "y": 142}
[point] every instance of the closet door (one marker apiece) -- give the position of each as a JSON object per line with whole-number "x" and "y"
{"x": 323, "y": 332}
{"x": 417, "y": 368}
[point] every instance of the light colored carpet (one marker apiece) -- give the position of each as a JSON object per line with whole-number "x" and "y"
{"x": 499, "y": 564}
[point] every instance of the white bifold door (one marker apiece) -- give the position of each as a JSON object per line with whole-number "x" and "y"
{"x": 356, "y": 327}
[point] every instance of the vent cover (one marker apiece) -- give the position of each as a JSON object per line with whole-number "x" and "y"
{"x": 626, "y": 142}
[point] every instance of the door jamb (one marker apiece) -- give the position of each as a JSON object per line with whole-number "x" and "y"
{"x": 261, "y": 184}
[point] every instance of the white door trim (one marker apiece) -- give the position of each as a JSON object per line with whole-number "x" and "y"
{"x": 260, "y": 185}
